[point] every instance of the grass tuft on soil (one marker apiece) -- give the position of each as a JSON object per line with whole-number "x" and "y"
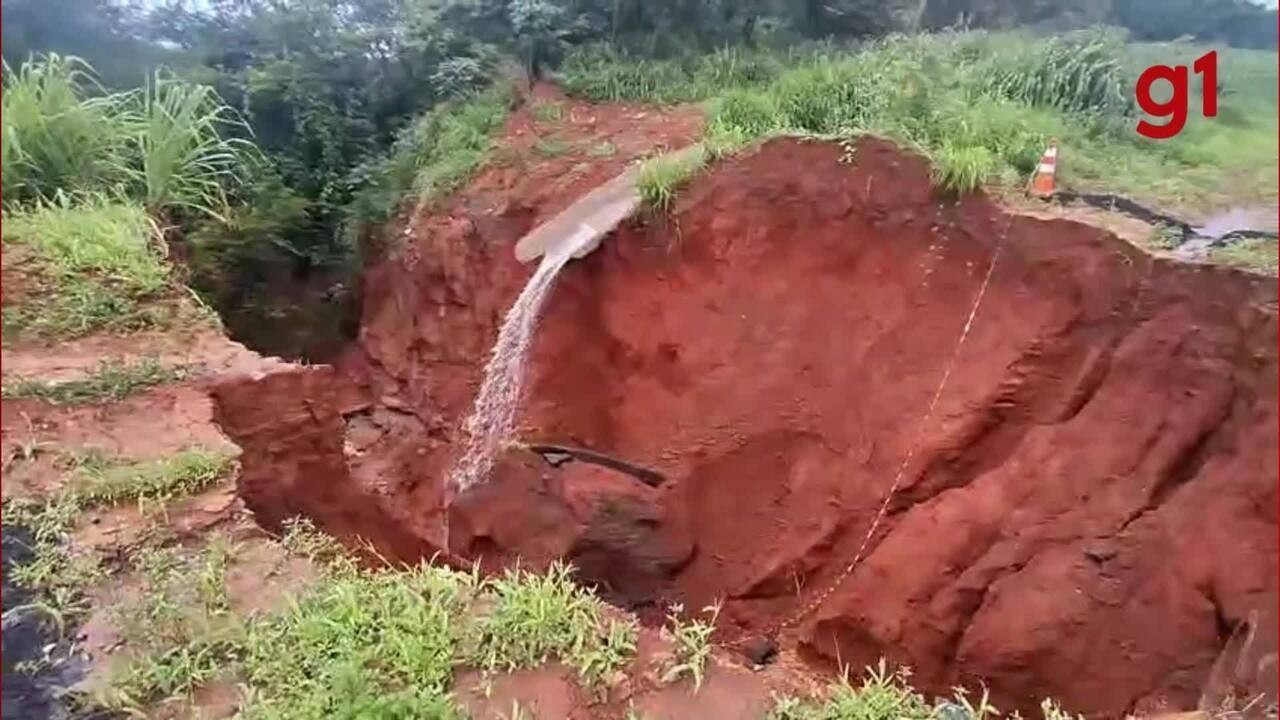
{"x": 98, "y": 479}
{"x": 662, "y": 177}
{"x": 111, "y": 380}
{"x": 98, "y": 264}
{"x": 883, "y": 694}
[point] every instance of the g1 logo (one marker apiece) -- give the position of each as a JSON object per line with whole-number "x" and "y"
{"x": 1175, "y": 108}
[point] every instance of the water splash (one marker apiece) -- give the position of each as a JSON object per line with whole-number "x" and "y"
{"x": 492, "y": 422}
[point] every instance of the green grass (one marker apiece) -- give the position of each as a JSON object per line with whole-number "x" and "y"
{"x": 1258, "y": 254}
{"x": 371, "y": 643}
{"x": 661, "y": 177}
{"x": 1164, "y": 237}
{"x": 100, "y": 480}
{"x": 540, "y": 616}
{"x": 97, "y": 262}
{"x": 60, "y": 574}
{"x": 111, "y": 380}
{"x": 983, "y": 106}
{"x": 361, "y": 642}
{"x": 963, "y": 169}
{"x": 1074, "y": 73}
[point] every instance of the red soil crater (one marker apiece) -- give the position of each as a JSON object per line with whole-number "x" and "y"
{"x": 1090, "y": 514}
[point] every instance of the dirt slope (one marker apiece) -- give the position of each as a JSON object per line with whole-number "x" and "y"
{"x": 1090, "y": 514}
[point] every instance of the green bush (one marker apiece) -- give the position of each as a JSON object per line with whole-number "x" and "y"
{"x": 432, "y": 157}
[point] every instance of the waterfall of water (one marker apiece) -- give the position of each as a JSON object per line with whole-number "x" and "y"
{"x": 493, "y": 418}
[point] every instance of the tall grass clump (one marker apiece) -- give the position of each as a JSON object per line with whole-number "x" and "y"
{"x": 59, "y": 131}
{"x": 170, "y": 145}
{"x": 826, "y": 96}
{"x": 1079, "y": 73}
{"x": 604, "y": 75}
{"x": 186, "y": 157}
{"x": 92, "y": 182}
{"x": 536, "y": 617}
{"x": 962, "y": 169}
{"x": 751, "y": 111}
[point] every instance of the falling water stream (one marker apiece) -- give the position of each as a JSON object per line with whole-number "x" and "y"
{"x": 492, "y": 421}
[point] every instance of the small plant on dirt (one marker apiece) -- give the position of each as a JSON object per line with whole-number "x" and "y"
{"x": 1053, "y": 711}
{"x": 692, "y": 645}
{"x": 615, "y": 647}
{"x": 546, "y": 111}
{"x": 111, "y": 380}
{"x": 962, "y": 708}
{"x": 550, "y": 146}
{"x": 1165, "y": 237}
{"x": 661, "y": 177}
{"x": 604, "y": 149}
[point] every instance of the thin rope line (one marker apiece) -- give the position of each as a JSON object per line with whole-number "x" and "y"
{"x": 911, "y": 450}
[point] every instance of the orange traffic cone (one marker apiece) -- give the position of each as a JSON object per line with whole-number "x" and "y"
{"x": 1042, "y": 180}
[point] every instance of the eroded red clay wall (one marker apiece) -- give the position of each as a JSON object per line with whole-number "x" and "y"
{"x": 1089, "y": 514}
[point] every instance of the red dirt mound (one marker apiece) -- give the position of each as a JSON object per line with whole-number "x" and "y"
{"x": 1090, "y": 514}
